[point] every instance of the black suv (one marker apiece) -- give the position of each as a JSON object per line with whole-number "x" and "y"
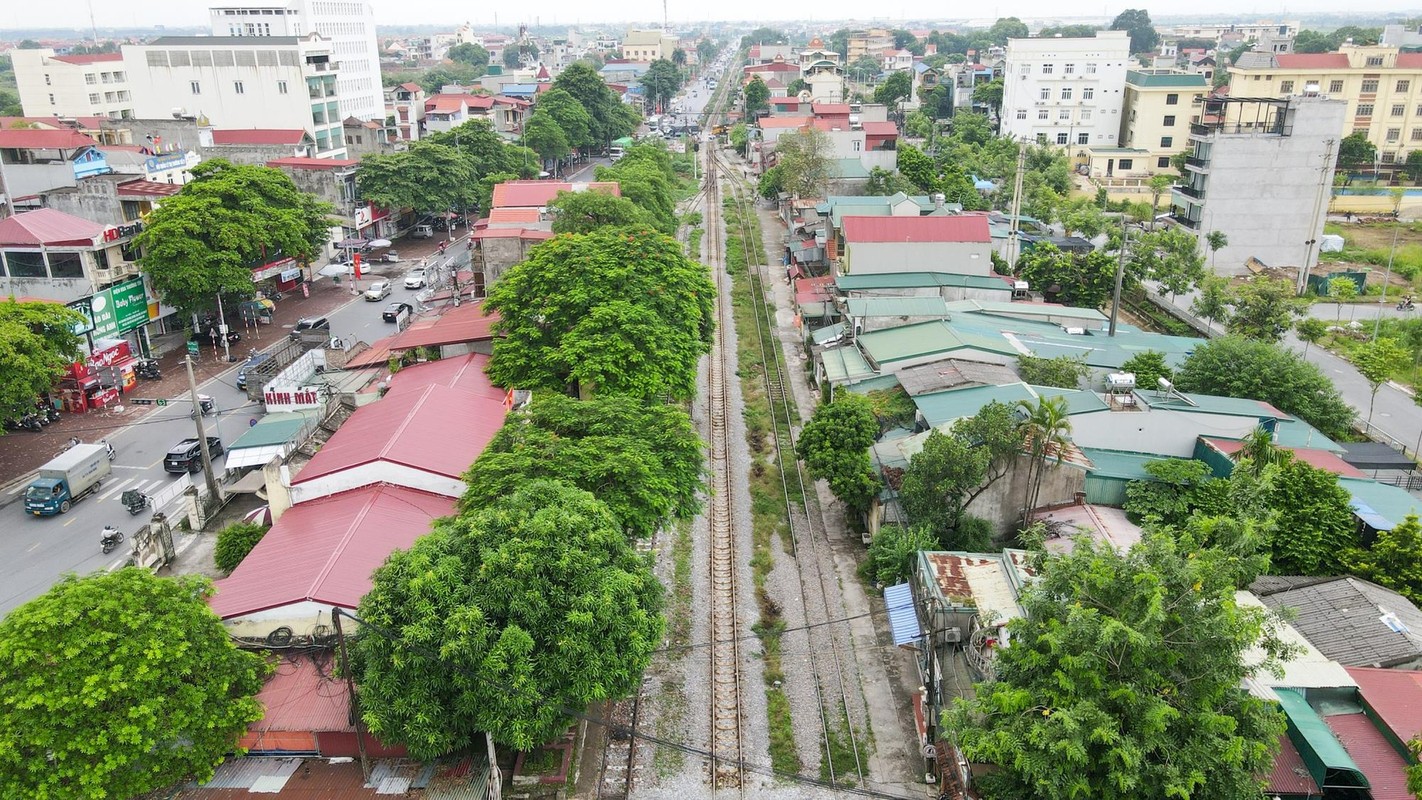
{"x": 186, "y": 456}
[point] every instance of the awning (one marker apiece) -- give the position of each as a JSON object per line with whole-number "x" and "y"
{"x": 352, "y": 244}
{"x": 903, "y": 616}
{"x": 1327, "y": 760}
{"x": 254, "y": 456}
{"x": 1376, "y": 455}
{"x": 1370, "y": 517}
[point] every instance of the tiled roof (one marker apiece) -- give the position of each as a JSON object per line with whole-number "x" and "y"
{"x": 1385, "y": 768}
{"x": 516, "y": 214}
{"x": 292, "y": 136}
{"x": 41, "y": 139}
{"x": 324, "y": 551}
{"x": 1395, "y": 696}
{"x": 1312, "y": 60}
{"x": 147, "y": 189}
{"x": 1342, "y": 618}
{"x": 961, "y": 228}
{"x": 512, "y": 233}
{"x": 45, "y": 226}
{"x": 880, "y": 129}
{"x": 537, "y": 194}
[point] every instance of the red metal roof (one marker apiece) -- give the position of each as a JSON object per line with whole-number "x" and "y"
{"x": 318, "y": 779}
{"x": 830, "y": 109}
{"x": 1289, "y": 774}
{"x": 1312, "y": 60}
{"x": 41, "y": 139}
{"x": 813, "y": 290}
{"x": 785, "y": 122}
{"x": 437, "y": 430}
{"x": 1384, "y": 768}
{"x": 1322, "y": 459}
{"x": 465, "y": 373}
{"x": 147, "y": 189}
{"x": 880, "y": 129}
{"x": 96, "y": 58}
{"x": 536, "y": 194}
{"x": 1409, "y": 60}
{"x": 45, "y": 226}
{"x": 467, "y": 323}
{"x": 324, "y": 551}
{"x": 412, "y": 87}
{"x": 516, "y": 214}
{"x": 957, "y": 228}
{"x": 299, "y": 162}
{"x": 1395, "y": 695}
{"x": 297, "y": 697}
{"x": 258, "y": 136}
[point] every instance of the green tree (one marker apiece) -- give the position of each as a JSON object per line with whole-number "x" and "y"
{"x": 234, "y": 542}
{"x": 585, "y": 212}
{"x": 1212, "y": 303}
{"x": 570, "y": 115}
{"x": 607, "y": 112}
{"x": 771, "y": 183}
{"x": 453, "y": 73}
{"x": 468, "y": 53}
{"x": 1047, "y": 430}
{"x": 972, "y": 129}
{"x": 646, "y": 176}
{"x": 1413, "y": 165}
{"x": 918, "y": 125}
{"x": 1082, "y": 216}
{"x": 756, "y": 96}
{"x": 893, "y": 552}
{"x": 638, "y": 323}
{"x": 1215, "y": 240}
{"x": 1063, "y": 371}
{"x": 804, "y": 159}
{"x": 661, "y": 81}
{"x": 834, "y": 445}
{"x": 644, "y": 461}
{"x": 894, "y": 88}
{"x": 883, "y": 183}
{"x": 545, "y": 137}
{"x": 1310, "y": 330}
{"x": 1342, "y": 290}
{"x": 1171, "y": 494}
{"x": 1136, "y": 21}
{"x": 37, "y": 344}
{"x": 501, "y": 620}
{"x": 1083, "y": 280}
{"x": 990, "y": 95}
{"x": 954, "y": 468}
{"x": 678, "y": 58}
{"x": 207, "y": 238}
{"x": 1007, "y": 28}
{"x": 1233, "y": 366}
{"x": 1076, "y": 32}
{"x": 706, "y": 51}
{"x": 1170, "y": 256}
{"x": 117, "y": 684}
{"x": 1376, "y": 362}
{"x": 739, "y": 137}
{"x": 1159, "y": 185}
{"x": 1356, "y": 152}
{"x": 1148, "y": 366}
{"x": 428, "y": 177}
{"x": 1314, "y": 526}
{"x": 1394, "y": 560}
{"x": 487, "y": 151}
{"x": 1264, "y": 309}
{"x": 1124, "y": 679}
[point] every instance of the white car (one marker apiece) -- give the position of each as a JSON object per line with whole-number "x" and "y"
{"x": 415, "y": 278}
{"x": 378, "y": 291}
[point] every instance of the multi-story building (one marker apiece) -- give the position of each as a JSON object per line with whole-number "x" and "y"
{"x": 648, "y": 45}
{"x": 1248, "y": 32}
{"x": 72, "y": 86}
{"x": 1066, "y": 91}
{"x": 1160, "y": 106}
{"x": 233, "y": 82}
{"x": 868, "y": 43}
{"x": 1260, "y": 171}
{"x": 348, "y": 24}
{"x": 1382, "y": 87}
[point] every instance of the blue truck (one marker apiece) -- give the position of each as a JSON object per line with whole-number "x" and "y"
{"x": 66, "y": 479}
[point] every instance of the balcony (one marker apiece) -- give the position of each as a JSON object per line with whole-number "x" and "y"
{"x": 1189, "y": 191}
{"x": 1192, "y": 224}
{"x": 1201, "y": 164}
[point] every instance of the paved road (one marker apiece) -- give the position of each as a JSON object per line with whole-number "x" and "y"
{"x": 35, "y": 551}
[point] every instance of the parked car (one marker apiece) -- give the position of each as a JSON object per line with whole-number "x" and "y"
{"x": 422, "y": 232}
{"x": 395, "y": 311}
{"x": 378, "y": 291}
{"x": 186, "y": 456}
{"x": 311, "y": 324}
{"x": 415, "y": 278}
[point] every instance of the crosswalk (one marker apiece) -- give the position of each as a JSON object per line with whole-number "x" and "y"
{"x": 160, "y": 490}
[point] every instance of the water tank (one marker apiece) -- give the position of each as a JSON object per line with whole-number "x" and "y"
{"x": 1121, "y": 381}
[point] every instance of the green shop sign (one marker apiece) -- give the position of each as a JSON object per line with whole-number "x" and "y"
{"x": 115, "y": 310}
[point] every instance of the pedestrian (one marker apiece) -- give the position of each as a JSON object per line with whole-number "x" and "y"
{"x": 1348, "y": 215}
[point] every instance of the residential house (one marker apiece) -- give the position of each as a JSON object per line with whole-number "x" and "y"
{"x": 256, "y": 146}
{"x": 872, "y": 245}
{"x": 405, "y": 106}
{"x": 964, "y": 79}
{"x": 367, "y": 137}
{"x": 333, "y": 180}
{"x": 110, "y": 200}
{"x": 1160, "y": 107}
{"x": 763, "y": 53}
{"x": 444, "y": 112}
{"x": 1350, "y": 620}
{"x": 1066, "y": 91}
{"x": 868, "y": 43}
{"x": 648, "y": 45}
{"x": 897, "y": 60}
{"x": 51, "y": 85}
{"x": 39, "y": 160}
{"x": 925, "y": 78}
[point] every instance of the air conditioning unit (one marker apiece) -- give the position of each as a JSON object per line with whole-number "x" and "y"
{"x": 953, "y": 635}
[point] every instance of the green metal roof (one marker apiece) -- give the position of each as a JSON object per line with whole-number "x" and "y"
{"x": 1190, "y": 80}
{"x": 1211, "y": 404}
{"x": 273, "y": 429}
{"x": 849, "y": 168}
{"x": 1294, "y": 432}
{"x": 1391, "y": 503}
{"x": 1120, "y": 463}
{"x": 846, "y": 365}
{"x": 910, "y": 341}
{"x": 897, "y": 307}
{"x": 1320, "y": 749}
{"x": 942, "y": 408}
{"x": 917, "y": 280}
{"x": 1025, "y": 309}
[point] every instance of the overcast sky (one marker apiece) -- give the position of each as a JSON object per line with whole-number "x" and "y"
{"x": 145, "y": 13}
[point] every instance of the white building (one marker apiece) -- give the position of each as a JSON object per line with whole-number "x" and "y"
{"x": 234, "y": 82}
{"x": 348, "y": 24}
{"x": 1262, "y": 175}
{"x": 1066, "y": 91}
{"x": 72, "y": 86}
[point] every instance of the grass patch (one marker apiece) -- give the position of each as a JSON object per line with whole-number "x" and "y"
{"x": 679, "y": 630}
{"x": 783, "y": 755}
{"x": 840, "y": 752}
{"x": 671, "y": 719}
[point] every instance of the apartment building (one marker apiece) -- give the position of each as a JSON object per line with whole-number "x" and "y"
{"x": 1382, "y": 87}
{"x": 72, "y": 86}
{"x": 1159, "y": 108}
{"x": 1260, "y": 171}
{"x": 648, "y": 45}
{"x": 1066, "y": 91}
{"x": 236, "y": 82}
{"x": 348, "y": 24}
{"x": 1249, "y": 32}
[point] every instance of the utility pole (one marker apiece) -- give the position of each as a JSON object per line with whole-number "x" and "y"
{"x": 222, "y": 328}
{"x": 1120, "y": 274}
{"x": 1015, "y": 231}
{"x": 1316, "y": 226}
{"x": 201, "y": 431}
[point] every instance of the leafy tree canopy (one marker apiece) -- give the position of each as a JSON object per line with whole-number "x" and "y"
{"x": 835, "y": 443}
{"x": 1236, "y": 367}
{"x": 953, "y": 468}
{"x": 1136, "y": 21}
{"x": 569, "y": 114}
{"x": 644, "y": 461}
{"x": 37, "y": 344}
{"x": 616, "y": 310}
{"x": 1356, "y": 151}
{"x": 228, "y": 219}
{"x": 1394, "y": 560}
{"x": 756, "y": 96}
{"x": 468, "y": 53}
{"x": 117, "y": 684}
{"x": 647, "y": 179}
{"x": 585, "y": 212}
{"x": 429, "y": 178}
{"x": 661, "y": 80}
{"x": 545, "y": 137}
{"x": 1263, "y": 309}
{"x": 1084, "y": 280}
{"x": 531, "y": 607}
{"x": 805, "y": 160}
{"x": 1063, "y": 371}
{"x": 610, "y": 117}
{"x": 1123, "y": 679}
{"x": 894, "y": 88}
{"x": 488, "y": 152}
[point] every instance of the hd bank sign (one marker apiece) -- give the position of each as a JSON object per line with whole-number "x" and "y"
{"x": 115, "y": 310}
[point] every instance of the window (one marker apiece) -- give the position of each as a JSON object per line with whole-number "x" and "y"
{"x": 66, "y": 265}
{"x": 195, "y": 86}
{"x": 1041, "y": 138}
{"x": 1086, "y": 115}
{"x": 857, "y": 143}
{"x": 1388, "y": 158}
{"x": 1088, "y": 93}
{"x": 46, "y": 79}
{"x": 1061, "y": 138}
{"x": 1334, "y": 87}
{"x": 281, "y": 87}
{"x": 1403, "y": 86}
{"x": 1375, "y": 61}
{"x": 1083, "y": 138}
{"x": 1022, "y": 113}
{"x": 1286, "y": 86}
{"x": 94, "y": 98}
{"x": 1046, "y": 94}
{"x": 1162, "y": 162}
{"x": 1046, "y": 69}
{"x": 1370, "y": 86}
{"x": 1064, "y": 114}
{"x": 90, "y": 79}
{"x": 1167, "y": 141}
{"x": 1066, "y": 94}
{"x": 1417, "y": 134}
{"x": 1041, "y": 113}
{"x": 1365, "y": 110}
{"x": 1169, "y": 121}
{"x": 51, "y": 99}
{"x": 1090, "y": 69}
{"x": 1394, "y": 134}
{"x": 1069, "y": 69}
{"x": 1172, "y": 99}
{"x": 1399, "y": 109}
{"x": 1125, "y": 163}
{"x": 238, "y": 88}
{"x": 1026, "y": 68}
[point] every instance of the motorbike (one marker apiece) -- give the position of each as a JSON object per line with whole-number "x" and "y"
{"x": 1405, "y": 305}
{"x": 30, "y": 422}
{"x": 206, "y": 404}
{"x": 147, "y": 369}
{"x": 109, "y": 539}
{"x": 135, "y": 501}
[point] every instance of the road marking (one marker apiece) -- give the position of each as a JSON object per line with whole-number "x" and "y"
{"x": 120, "y": 466}
{"x": 33, "y": 547}
{"x": 116, "y": 488}
{"x": 71, "y": 521}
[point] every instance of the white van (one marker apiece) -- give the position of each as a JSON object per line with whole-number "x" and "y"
{"x": 615, "y": 153}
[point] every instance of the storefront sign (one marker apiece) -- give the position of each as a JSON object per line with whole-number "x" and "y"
{"x": 110, "y": 355}
{"x": 117, "y": 309}
{"x": 290, "y": 398}
{"x": 274, "y": 268}
{"x": 290, "y": 275}
{"x": 166, "y": 162}
{"x": 115, "y": 232}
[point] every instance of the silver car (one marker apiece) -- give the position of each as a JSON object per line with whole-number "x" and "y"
{"x": 378, "y": 291}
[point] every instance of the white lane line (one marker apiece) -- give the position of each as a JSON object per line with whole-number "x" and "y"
{"x": 114, "y": 490}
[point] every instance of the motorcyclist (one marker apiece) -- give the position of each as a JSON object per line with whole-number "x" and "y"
{"x": 108, "y": 533}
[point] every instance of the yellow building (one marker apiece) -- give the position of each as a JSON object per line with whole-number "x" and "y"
{"x": 1156, "y": 113}
{"x": 648, "y": 45}
{"x": 1382, "y": 86}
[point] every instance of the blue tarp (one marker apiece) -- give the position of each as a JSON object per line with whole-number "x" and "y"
{"x": 903, "y": 617}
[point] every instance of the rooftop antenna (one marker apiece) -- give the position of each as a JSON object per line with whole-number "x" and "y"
{"x": 665, "y": 27}
{"x": 93, "y": 25}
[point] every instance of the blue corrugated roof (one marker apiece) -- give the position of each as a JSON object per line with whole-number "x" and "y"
{"x": 903, "y": 617}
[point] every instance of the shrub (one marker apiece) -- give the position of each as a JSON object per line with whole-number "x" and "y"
{"x": 234, "y": 542}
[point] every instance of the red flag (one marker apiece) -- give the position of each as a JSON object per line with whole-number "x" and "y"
{"x": 509, "y": 400}
{"x": 357, "y": 266}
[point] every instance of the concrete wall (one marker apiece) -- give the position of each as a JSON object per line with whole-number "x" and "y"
{"x": 500, "y": 254}
{"x": 95, "y": 200}
{"x": 23, "y": 180}
{"x": 878, "y": 258}
{"x": 65, "y": 290}
{"x": 1002, "y": 503}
